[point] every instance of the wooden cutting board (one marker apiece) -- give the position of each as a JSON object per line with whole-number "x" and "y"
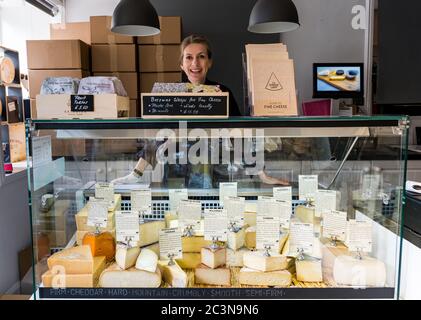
{"x": 343, "y": 85}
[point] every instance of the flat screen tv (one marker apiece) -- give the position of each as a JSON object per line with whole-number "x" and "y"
{"x": 338, "y": 80}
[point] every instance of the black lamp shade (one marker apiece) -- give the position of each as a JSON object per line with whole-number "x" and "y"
{"x": 135, "y": 18}
{"x": 273, "y": 16}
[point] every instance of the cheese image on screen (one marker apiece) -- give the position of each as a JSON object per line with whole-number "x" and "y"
{"x": 350, "y": 271}
{"x": 114, "y": 277}
{"x": 256, "y": 260}
{"x": 309, "y": 270}
{"x": 147, "y": 260}
{"x": 280, "y": 278}
{"x": 214, "y": 258}
{"x": 50, "y": 280}
{"x": 76, "y": 260}
{"x": 190, "y": 260}
{"x": 216, "y": 277}
{"x": 194, "y": 244}
{"x": 173, "y": 274}
{"x": 236, "y": 240}
{"x": 126, "y": 257}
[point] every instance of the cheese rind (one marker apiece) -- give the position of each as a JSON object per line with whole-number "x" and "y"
{"x": 279, "y": 278}
{"x": 236, "y": 240}
{"x": 257, "y": 261}
{"x": 149, "y": 232}
{"x": 250, "y": 238}
{"x": 214, "y": 258}
{"x": 173, "y": 275}
{"x": 216, "y": 277}
{"x": 114, "y": 277}
{"x": 309, "y": 270}
{"x": 147, "y": 260}
{"x": 126, "y": 257}
{"x": 235, "y": 258}
{"x": 190, "y": 260}
{"x": 194, "y": 244}
{"x": 75, "y": 260}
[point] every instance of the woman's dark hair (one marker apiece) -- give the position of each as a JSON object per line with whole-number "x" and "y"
{"x": 195, "y": 39}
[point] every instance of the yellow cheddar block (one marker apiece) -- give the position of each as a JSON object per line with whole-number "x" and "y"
{"x": 194, "y": 244}
{"x": 75, "y": 260}
{"x": 81, "y": 234}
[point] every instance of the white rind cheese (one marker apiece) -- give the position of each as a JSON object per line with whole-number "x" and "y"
{"x": 214, "y": 258}
{"x": 173, "y": 275}
{"x": 257, "y": 261}
{"x": 114, "y": 277}
{"x": 147, "y": 260}
{"x": 126, "y": 257}
{"x": 236, "y": 240}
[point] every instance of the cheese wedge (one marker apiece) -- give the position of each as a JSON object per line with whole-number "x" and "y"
{"x": 250, "y": 238}
{"x": 309, "y": 270}
{"x": 194, "y": 244}
{"x": 114, "y": 277}
{"x": 235, "y": 258}
{"x": 257, "y": 261}
{"x": 236, "y": 240}
{"x": 62, "y": 281}
{"x": 280, "y": 278}
{"x": 250, "y": 218}
{"x": 216, "y": 277}
{"x": 329, "y": 255}
{"x": 173, "y": 275}
{"x": 126, "y": 257}
{"x": 75, "y": 260}
{"x": 147, "y": 260}
{"x": 214, "y": 258}
{"x": 154, "y": 247}
{"x": 305, "y": 214}
{"x": 168, "y": 217}
{"x": 149, "y": 232}
{"x": 81, "y": 234}
{"x": 190, "y": 260}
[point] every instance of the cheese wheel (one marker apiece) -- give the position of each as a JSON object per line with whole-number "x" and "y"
{"x": 7, "y": 70}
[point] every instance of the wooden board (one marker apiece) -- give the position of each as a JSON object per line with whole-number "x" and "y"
{"x": 343, "y": 85}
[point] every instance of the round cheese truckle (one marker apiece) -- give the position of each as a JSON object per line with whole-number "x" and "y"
{"x": 350, "y": 271}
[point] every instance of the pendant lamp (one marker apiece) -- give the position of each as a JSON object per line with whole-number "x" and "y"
{"x": 135, "y": 18}
{"x": 273, "y": 16}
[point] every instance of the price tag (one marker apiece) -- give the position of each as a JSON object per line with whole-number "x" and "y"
{"x": 216, "y": 224}
{"x": 175, "y": 196}
{"x": 81, "y": 103}
{"x": 325, "y": 200}
{"x": 235, "y": 207}
{"x": 268, "y": 233}
{"x": 170, "y": 244}
{"x": 104, "y": 190}
{"x": 97, "y": 213}
{"x": 285, "y": 209}
{"x": 141, "y": 201}
{"x": 301, "y": 238}
{"x": 227, "y": 189}
{"x": 335, "y": 225}
{"x": 190, "y": 214}
{"x": 283, "y": 193}
{"x": 307, "y": 186}
{"x": 359, "y": 236}
{"x": 41, "y": 151}
{"x": 127, "y": 226}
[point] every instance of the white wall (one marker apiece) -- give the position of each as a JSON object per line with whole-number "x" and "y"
{"x": 81, "y": 10}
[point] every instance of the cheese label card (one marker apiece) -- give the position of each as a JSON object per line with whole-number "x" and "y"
{"x": 227, "y": 189}
{"x": 268, "y": 233}
{"x": 216, "y": 224}
{"x": 141, "y": 201}
{"x": 335, "y": 225}
{"x": 359, "y": 236}
{"x": 301, "y": 238}
{"x": 104, "y": 190}
{"x": 285, "y": 209}
{"x": 325, "y": 200}
{"x": 97, "y": 213}
{"x": 189, "y": 214}
{"x": 267, "y": 207}
{"x": 127, "y": 226}
{"x": 371, "y": 185}
{"x": 283, "y": 193}
{"x": 235, "y": 207}
{"x": 175, "y": 196}
{"x": 170, "y": 244}
{"x": 307, "y": 186}
{"x": 41, "y": 151}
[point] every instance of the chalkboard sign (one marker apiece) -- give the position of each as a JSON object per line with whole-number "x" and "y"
{"x": 81, "y": 103}
{"x": 185, "y": 105}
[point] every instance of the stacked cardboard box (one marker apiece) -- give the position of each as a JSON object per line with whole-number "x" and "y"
{"x": 114, "y": 55}
{"x": 159, "y": 55}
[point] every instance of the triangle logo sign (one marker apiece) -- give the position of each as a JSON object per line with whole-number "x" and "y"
{"x": 273, "y": 84}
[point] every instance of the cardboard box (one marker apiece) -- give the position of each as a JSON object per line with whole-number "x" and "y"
{"x": 159, "y": 58}
{"x": 170, "y": 32}
{"x": 147, "y": 80}
{"x": 129, "y": 80}
{"x": 33, "y": 103}
{"x": 36, "y": 77}
{"x": 106, "y": 106}
{"x": 114, "y": 58}
{"x": 101, "y": 32}
{"x": 58, "y": 54}
{"x": 133, "y": 112}
{"x": 71, "y": 31}
{"x": 17, "y": 140}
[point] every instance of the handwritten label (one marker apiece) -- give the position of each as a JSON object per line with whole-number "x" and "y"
{"x": 216, "y": 224}
{"x": 127, "y": 226}
{"x": 195, "y": 105}
{"x": 81, "y": 103}
{"x": 359, "y": 236}
{"x": 170, "y": 244}
{"x": 97, "y": 213}
{"x": 335, "y": 225}
{"x": 268, "y": 233}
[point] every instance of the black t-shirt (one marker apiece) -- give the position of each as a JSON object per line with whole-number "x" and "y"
{"x": 234, "y": 109}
